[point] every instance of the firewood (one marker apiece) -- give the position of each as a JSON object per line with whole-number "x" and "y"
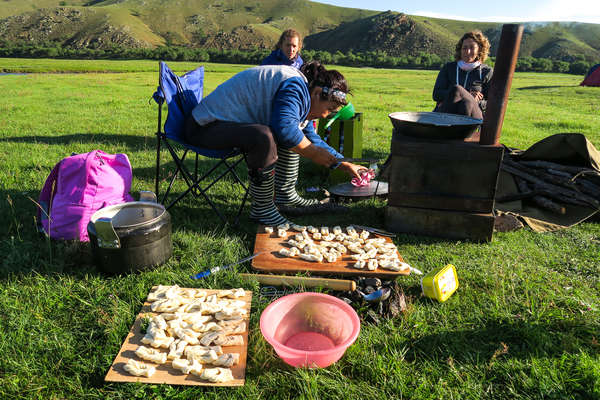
{"x": 577, "y": 182}
{"x": 560, "y": 167}
{"x": 551, "y": 190}
{"x": 538, "y": 173}
{"x": 560, "y": 173}
{"x": 564, "y": 198}
{"x": 543, "y": 202}
{"x": 590, "y": 188}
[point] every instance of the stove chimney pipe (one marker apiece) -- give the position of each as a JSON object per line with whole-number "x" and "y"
{"x": 506, "y": 60}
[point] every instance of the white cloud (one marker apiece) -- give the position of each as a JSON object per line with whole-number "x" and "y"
{"x": 571, "y": 10}
{"x": 552, "y": 10}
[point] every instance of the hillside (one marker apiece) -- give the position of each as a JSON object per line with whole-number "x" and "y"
{"x": 234, "y": 24}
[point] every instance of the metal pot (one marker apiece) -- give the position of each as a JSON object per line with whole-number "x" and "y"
{"x": 130, "y": 236}
{"x": 434, "y": 125}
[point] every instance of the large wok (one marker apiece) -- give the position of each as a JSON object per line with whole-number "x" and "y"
{"x": 434, "y": 125}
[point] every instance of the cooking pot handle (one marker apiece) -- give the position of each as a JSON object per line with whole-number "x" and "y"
{"x": 107, "y": 237}
{"x": 148, "y": 196}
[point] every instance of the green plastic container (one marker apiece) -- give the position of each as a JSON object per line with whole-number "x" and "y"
{"x": 346, "y": 137}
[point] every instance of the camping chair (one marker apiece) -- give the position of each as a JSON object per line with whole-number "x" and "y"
{"x": 182, "y": 94}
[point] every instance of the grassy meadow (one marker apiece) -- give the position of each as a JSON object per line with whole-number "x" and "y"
{"x": 524, "y": 323}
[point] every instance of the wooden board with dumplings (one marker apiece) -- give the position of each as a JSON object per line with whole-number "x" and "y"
{"x": 326, "y": 250}
{"x": 186, "y": 336}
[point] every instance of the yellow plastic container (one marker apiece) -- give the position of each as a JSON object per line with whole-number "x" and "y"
{"x": 440, "y": 283}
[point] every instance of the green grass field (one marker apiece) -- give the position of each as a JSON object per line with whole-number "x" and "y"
{"x": 524, "y": 324}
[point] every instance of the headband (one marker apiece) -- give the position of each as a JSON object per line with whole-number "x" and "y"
{"x": 337, "y": 95}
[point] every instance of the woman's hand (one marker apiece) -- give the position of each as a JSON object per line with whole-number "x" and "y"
{"x": 351, "y": 169}
{"x": 477, "y": 95}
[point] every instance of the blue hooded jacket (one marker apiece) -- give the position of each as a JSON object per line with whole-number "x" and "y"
{"x": 278, "y": 58}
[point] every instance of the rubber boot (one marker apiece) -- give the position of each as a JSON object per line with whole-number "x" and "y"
{"x": 286, "y": 177}
{"x": 287, "y": 199}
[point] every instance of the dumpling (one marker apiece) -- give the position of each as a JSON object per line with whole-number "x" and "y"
{"x": 176, "y": 349}
{"x": 217, "y": 375}
{"x": 232, "y": 340}
{"x": 152, "y": 355}
{"x": 227, "y": 360}
{"x": 138, "y": 368}
{"x": 187, "y": 366}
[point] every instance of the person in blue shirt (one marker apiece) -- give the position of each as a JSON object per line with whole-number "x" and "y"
{"x": 287, "y": 50}
{"x": 262, "y": 110}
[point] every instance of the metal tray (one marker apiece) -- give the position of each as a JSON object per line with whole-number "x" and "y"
{"x": 434, "y": 125}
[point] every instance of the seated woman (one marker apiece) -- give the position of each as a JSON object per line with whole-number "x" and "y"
{"x": 286, "y": 50}
{"x": 264, "y": 111}
{"x": 462, "y": 85}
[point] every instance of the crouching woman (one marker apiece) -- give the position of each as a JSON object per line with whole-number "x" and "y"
{"x": 265, "y": 112}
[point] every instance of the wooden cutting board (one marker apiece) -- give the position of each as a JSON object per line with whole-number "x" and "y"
{"x": 270, "y": 260}
{"x": 165, "y": 373}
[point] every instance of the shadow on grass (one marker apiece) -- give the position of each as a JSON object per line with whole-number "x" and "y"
{"x": 25, "y": 250}
{"x": 168, "y": 168}
{"x": 133, "y": 142}
{"x": 508, "y": 339}
{"x": 545, "y": 87}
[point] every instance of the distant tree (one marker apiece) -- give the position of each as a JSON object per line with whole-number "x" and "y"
{"x": 541, "y": 65}
{"x": 201, "y": 55}
{"x": 560, "y": 66}
{"x": 338, "y": 58}
{"x": 579, "y": 67}
{"x": 323, "y": 56}
{"x": 308, "y": 55}
{"x": 524, "y": 64}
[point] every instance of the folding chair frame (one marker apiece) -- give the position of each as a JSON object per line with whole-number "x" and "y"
{"x": 193, "y": 181}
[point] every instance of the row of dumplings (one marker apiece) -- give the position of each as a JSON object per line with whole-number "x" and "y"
{"x": 194, "y": 325}
{"x": 367, "y": 253}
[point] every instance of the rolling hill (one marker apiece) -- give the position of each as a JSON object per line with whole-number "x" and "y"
{"x": 234, "y": 24}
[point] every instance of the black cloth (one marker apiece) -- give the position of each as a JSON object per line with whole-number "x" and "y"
{"x": 459, "y": 101}
{"x": 446, "y": 80}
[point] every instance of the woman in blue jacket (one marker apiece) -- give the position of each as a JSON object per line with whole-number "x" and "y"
{"x": 287, "y": 50}
{"x": 265, "y": 108}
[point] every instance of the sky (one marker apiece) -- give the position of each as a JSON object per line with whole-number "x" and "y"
{"x": 487, "y": 10}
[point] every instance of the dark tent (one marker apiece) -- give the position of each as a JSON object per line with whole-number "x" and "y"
{"x": 593, "y": 77}
{"x": 591, "y": 70}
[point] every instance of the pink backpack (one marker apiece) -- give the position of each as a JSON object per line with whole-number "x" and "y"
{"x": 77, "y": 187}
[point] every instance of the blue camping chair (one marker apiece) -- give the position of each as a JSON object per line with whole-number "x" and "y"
{"x": 182, "y": 94}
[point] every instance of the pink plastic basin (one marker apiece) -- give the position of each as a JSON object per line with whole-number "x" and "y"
{"x": 309, "y": 329}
